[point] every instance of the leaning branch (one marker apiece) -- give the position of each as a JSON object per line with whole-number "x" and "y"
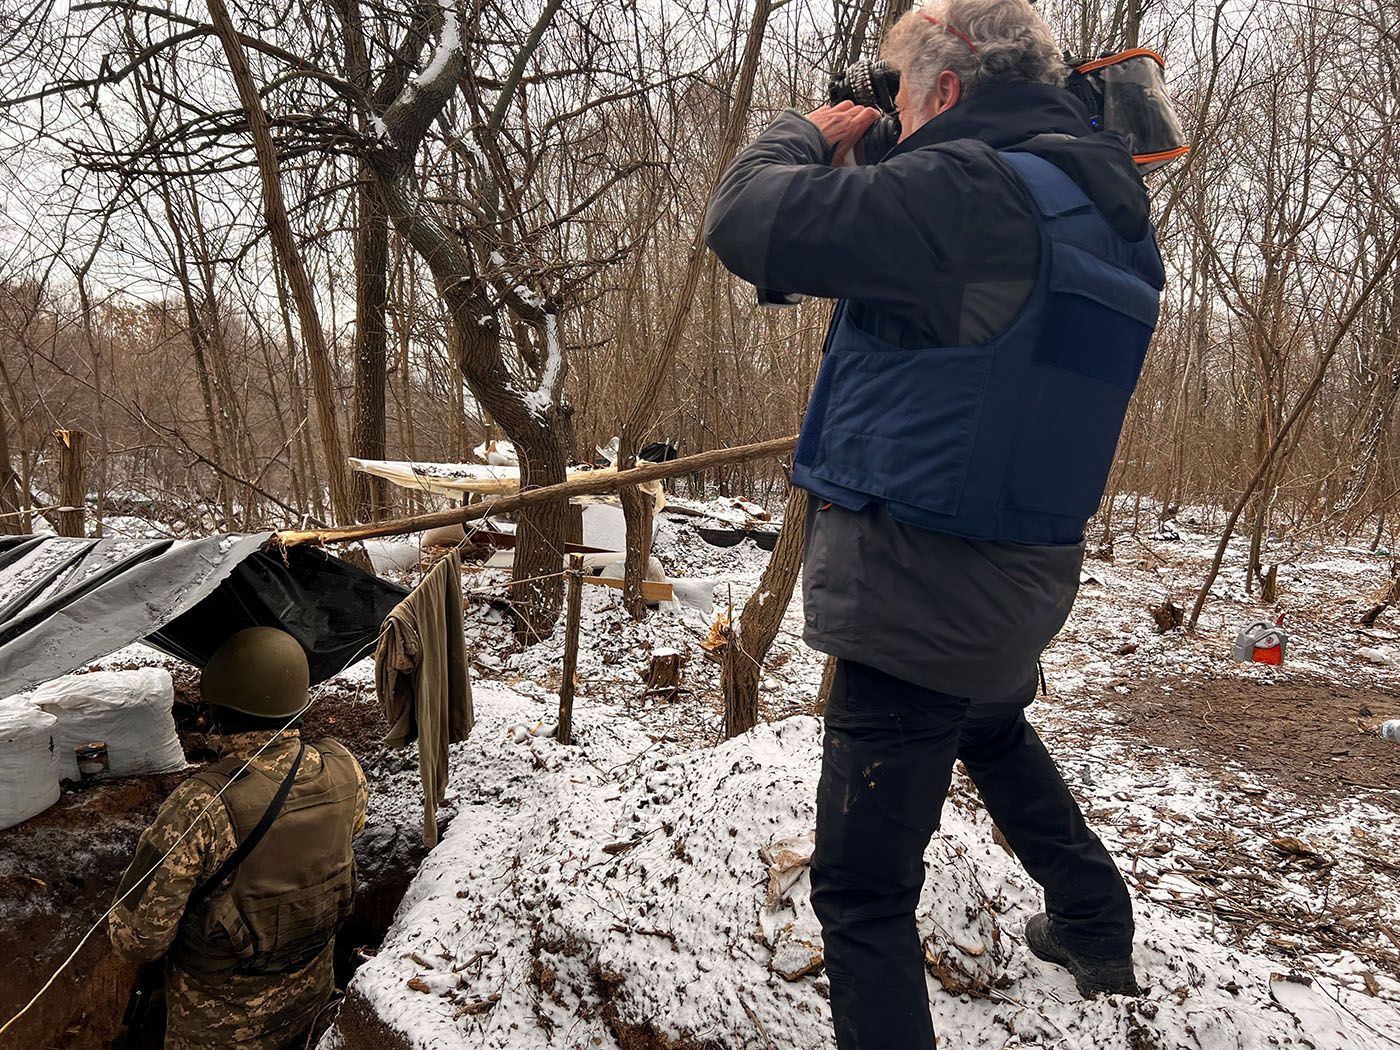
{"x": 583, "y": 485}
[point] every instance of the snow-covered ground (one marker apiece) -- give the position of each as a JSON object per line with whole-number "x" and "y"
{"x": 616, "y": 887}
{"x": 612, "y": 894}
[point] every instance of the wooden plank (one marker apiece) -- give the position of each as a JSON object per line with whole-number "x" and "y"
{"x": 651, "y": 590}
{"x": 565, "y": 733}
{"x": 505, "y": 541}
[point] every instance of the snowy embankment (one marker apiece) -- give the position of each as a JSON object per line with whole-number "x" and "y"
{"x": 612, "y": 895}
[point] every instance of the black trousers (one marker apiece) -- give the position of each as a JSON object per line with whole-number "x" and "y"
{"x": 886, "y": 767}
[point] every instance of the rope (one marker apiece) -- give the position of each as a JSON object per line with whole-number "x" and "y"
{"x": 156, "y": 867}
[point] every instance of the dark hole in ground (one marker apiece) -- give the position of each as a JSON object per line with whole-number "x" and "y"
{"x": 59, "y": 871}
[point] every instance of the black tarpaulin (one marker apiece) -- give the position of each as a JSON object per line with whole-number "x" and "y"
{"x": 67, "y": 602}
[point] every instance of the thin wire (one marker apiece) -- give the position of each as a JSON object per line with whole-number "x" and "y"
{"x": 156, "y": 867}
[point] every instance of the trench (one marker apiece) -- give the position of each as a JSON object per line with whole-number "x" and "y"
{"x": 59, "y": 871}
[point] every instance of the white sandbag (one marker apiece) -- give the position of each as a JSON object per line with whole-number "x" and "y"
{"x": 393, "y": 555}
{"x": 614, "y": 567}
{"x": 28, "y": 761}
{"x": 130, "y": 711}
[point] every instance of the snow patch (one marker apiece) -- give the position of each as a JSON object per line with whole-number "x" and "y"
{"x": 620, "y": 884}
{"x": 448, "y": 44}
{"x": 539, "y": 401}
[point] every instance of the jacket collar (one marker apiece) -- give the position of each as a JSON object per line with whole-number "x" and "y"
{"x": 1003, "y": 115}
{"x": 245, "y": 745}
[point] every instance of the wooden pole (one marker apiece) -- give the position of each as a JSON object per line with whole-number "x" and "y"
{"x": 581, "y": 485}
{"x": 565, "y": 733}
{"x": 72, "y": 446}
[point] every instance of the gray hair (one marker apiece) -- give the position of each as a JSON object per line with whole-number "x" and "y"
{"x": 982, "y": 41}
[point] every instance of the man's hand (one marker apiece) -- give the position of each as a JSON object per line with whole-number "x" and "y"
{"x": 843, "y": 125}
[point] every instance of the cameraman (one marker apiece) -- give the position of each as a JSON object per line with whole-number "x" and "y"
{"x": 998, "y": 281}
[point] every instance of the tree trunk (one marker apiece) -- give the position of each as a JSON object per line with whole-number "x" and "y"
{"x": 289, "y": 256}
{"x": 195, "y": 327}
{"x": 99, "y": 412}
{"x": 824, "y": 690}
{"x": 659, "y": 365}
{"x": 12, "y": 517}
{"x": 24, "y": 496}
{"x": 538, "y": 590}
{"x": 235, "y": 453}
{"x": 638, "y": 512}
{"x": 371, "y": 350}
{"x": 757, "y": 626}
{"x": 72, "y": 451}
{"x": 895, "y": 10}
{"x": 535, "y": 422}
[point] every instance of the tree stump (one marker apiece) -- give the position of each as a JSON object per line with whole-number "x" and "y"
{"x": 824, "y": 691}
{"x": 1268, "y": 590}
{"x": 72, "y": 451}
{"x": 663, "y": 677}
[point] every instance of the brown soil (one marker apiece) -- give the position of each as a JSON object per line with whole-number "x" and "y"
{"x": 361, "y": 1028}
{"x": 1314, "y": 739}
{"x": 1280, "y": 749}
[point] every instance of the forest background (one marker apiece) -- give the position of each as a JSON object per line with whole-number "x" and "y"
{"x": 242, "y": 241}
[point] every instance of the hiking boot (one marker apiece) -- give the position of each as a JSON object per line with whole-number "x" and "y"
{"x": 1091, "y": 976}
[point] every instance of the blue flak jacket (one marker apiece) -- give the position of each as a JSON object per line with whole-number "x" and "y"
{"x": 1011, "y": 440}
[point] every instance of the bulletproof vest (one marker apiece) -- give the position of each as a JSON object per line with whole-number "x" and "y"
{"x": 1013, "y": 439}
{"x": 284, "y": 903}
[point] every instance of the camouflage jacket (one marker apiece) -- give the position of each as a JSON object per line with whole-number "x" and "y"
{"x": 248, "y": 1011}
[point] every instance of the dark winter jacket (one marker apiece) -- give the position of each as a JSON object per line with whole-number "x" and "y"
{"x": 935, "y": 246}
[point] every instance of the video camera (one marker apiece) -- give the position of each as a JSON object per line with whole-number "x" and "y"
{"x": 1124, "y": 93}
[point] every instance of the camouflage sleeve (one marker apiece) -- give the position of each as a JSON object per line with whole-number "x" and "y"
{"x": 153, "y": 893}
{"x": 361, "y": 798}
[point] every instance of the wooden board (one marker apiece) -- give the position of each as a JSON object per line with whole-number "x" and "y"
{"x": 651, "y": 590}
{"x": 505, "y": 541}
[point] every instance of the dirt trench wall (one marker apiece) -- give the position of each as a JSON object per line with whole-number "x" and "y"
{"x": 60, "y": 870}
{"x": 58, "y": 873}
{"x": 360, "y": 1028}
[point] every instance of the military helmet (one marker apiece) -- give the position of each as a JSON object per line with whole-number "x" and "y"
{"x": 260, "y": 671}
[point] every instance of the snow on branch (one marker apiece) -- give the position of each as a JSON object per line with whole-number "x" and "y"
{"x": 422, "y": 98}
{"x": 448, "y": 44}
{"x": 539, "y": 400}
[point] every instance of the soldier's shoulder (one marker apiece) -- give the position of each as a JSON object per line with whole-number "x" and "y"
{"x": 192, "y": 796}
{"x": 330, "y": 746}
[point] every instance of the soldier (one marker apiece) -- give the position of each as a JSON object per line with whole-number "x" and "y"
{"x": 248, "y": 933}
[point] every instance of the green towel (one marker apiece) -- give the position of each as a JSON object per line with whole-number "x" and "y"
{"x": 420, "y": 673}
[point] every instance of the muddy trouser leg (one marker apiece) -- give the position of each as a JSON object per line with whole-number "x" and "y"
{"x": 886, "y": 765}
{"x": 1085, "y": 897}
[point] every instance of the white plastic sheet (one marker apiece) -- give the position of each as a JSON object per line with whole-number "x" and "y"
{"x": 28, "y": 760}
{"x": 130, "y": 711}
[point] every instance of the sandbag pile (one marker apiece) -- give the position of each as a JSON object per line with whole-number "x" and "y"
{"x": 29, "y": 771}
{"x": 130, "y": 711}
